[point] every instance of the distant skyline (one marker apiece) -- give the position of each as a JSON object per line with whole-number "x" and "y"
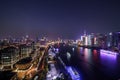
{"x": 58, "y": 18}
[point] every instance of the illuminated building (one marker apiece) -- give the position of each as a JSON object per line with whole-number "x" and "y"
{"x": 92, "y": 39}
{"x": 82, "y": 40}
{"x": 113, "y": 39}
{"x": 43, "y": 41}
{"x": 86, "y": 39}
{"x": 95, "y": 41}
{"x": 117, "y": 40}
{"x": 102, "y": 40}
{"x": 110, "y": 41}
{"x": 89, "y": 40}
{"x": 8, "y": 56}
{"x": 25, "y": 50}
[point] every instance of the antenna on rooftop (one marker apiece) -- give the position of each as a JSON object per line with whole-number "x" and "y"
{"x": 84, "y": 32}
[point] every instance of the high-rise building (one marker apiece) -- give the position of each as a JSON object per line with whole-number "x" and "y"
{"x": 110, "y": 40}
{"x": 117, "y": 40}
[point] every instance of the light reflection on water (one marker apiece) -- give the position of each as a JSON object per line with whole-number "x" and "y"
{"x": 96, "y": 65}
{"x": 87, "y": 54}
{"x": 97, "y": 58}
{"x": 109, "y": 60}
{"x": 94, "y": 54}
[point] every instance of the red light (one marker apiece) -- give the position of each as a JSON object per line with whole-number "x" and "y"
{"x": 95, "y": 51}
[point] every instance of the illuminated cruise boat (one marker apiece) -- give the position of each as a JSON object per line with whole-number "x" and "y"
{"x": 108, "y": 52}
{"x": 73, "y": 73}
{"x": 71, "y": 70}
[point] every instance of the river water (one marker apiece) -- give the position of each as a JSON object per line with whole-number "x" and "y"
{"x": 93, "y": 65}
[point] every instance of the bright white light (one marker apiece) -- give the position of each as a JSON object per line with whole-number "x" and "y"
{"x": 68, "y": 56}
{"x": 110, "y": 33}
{"x": 108, "y": 52}
{"x": 73, "y": 49}
{"x": 86, "y": 40}
{"x": 74, "y": 74}
{"x": 95, "y": 40}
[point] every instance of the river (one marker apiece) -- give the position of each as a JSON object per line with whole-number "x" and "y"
{"x": 93, "y": 65}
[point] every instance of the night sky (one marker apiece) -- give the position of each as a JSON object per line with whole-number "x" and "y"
{"x": 58, "y": 18}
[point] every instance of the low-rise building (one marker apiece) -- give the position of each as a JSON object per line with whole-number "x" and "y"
{"x": 25, "y": 50}
{"x": 9, "y": 56}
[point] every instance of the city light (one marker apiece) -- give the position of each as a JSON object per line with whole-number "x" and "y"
{"x": 60, "y": 40}
{"x": 74, "y": 74}
{"x": 108, "y": 53}
{"x": 86, "y": 40}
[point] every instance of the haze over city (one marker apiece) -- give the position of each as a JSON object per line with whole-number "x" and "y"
{"x": 59, "y": 40}
{"x": 58, "y": 18}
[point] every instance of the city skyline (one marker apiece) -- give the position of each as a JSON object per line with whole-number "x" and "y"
{"x": 61, "y": 18}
